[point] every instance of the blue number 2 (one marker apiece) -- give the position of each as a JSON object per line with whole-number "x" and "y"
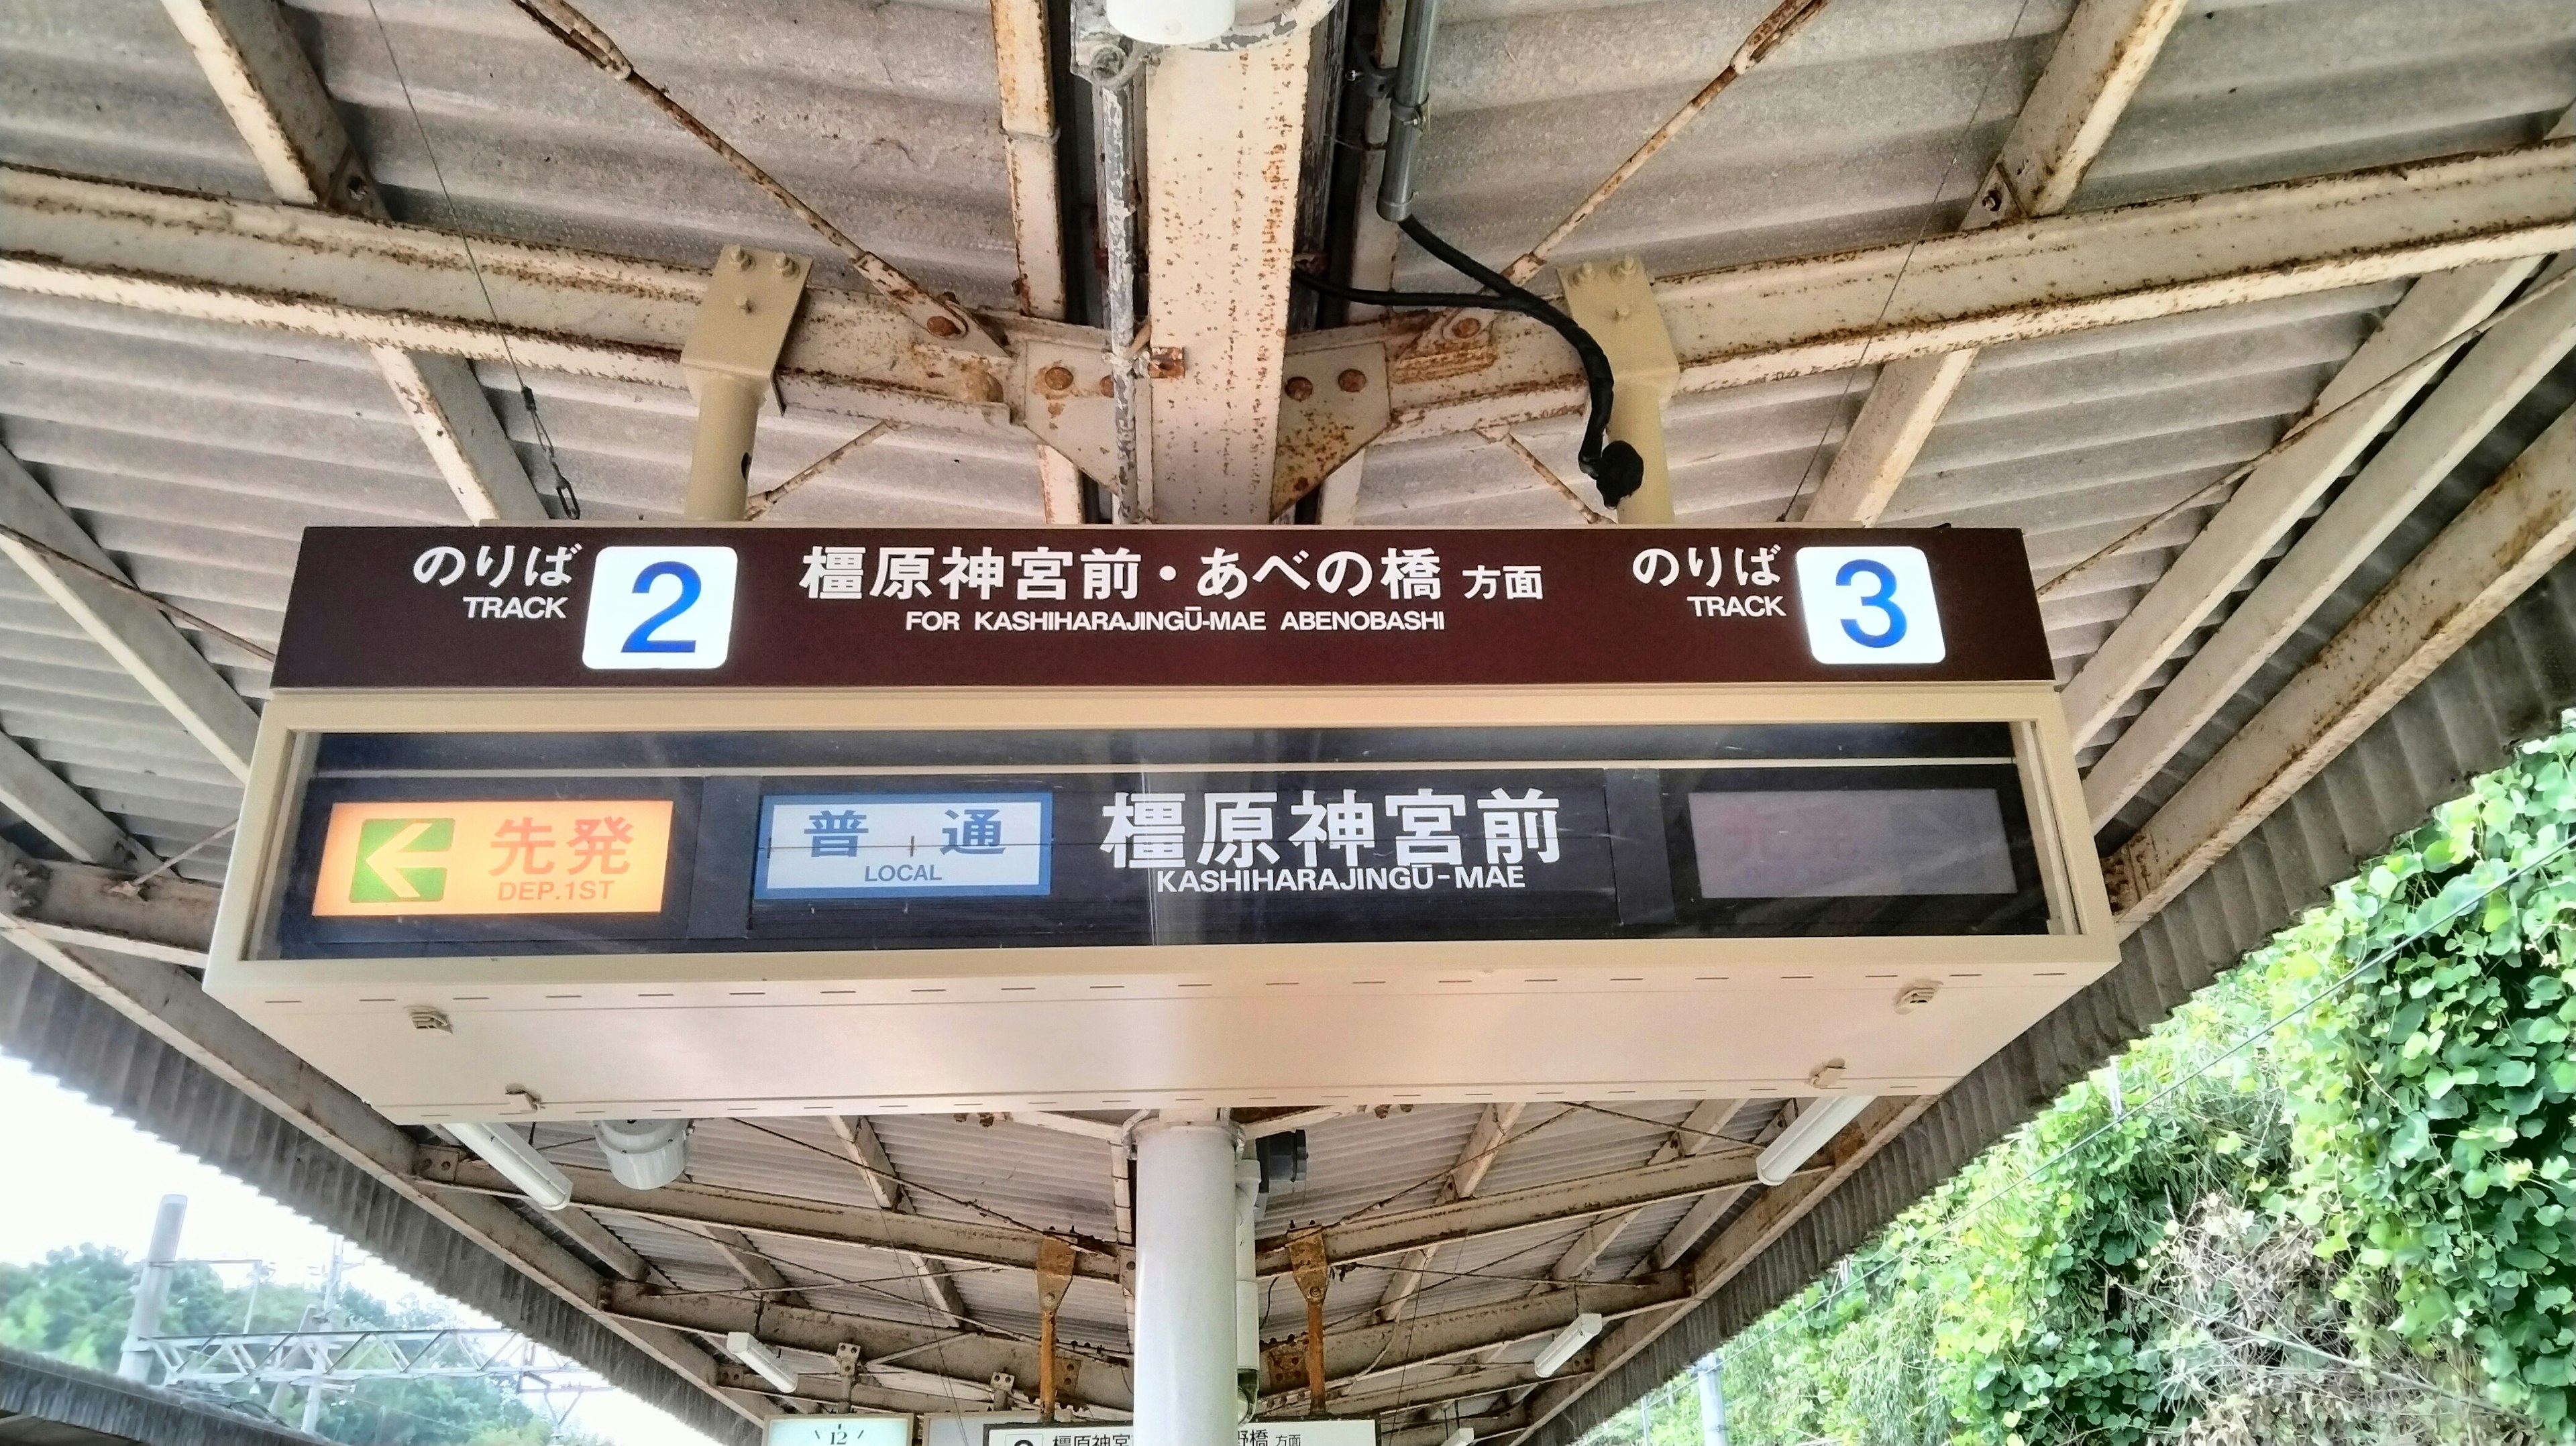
{"x": 1881, "y": 600}
{"x": 642, "y": 640}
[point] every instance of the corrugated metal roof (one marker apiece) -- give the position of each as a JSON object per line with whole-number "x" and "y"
{"x": 197, "y": 454}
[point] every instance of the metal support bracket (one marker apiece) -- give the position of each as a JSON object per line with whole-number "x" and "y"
{"x": 1616, "y": 303}
{"x": 1064, "y": 401}
{"x": 1055, "y": 1275}
{"x": 1332, "y": 403}
{"x": 1314, "y": 1272}
{"x": 731, "y": 360}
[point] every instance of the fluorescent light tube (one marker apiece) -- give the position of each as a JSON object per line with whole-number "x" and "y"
{"x": 518, "y": 1161}
{"x": 1569, "y": 1340}
{"x": 763, "y": 1361}
{"x": 1818, "y": 1120}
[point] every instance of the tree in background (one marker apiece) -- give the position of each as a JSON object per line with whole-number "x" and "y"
{"x": 74, "y": 1305}
{"x": 2329, "y": 1200}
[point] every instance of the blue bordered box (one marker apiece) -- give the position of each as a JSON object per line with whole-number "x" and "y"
{"x": 905, "y": 845}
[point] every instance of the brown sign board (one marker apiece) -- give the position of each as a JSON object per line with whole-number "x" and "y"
{"x": 783, "y": 607}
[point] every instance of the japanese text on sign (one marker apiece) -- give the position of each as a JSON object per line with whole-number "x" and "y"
{"x": 539, "y": 856}
{"x": 856, "y": 846}
{"x": 1264, "y": 840}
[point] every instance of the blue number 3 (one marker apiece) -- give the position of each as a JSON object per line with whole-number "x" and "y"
{"x": 1882, "y": 601}
{"x": 642, "y": 640}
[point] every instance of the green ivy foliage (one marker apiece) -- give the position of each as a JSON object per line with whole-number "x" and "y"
{"x": 2435, "y": 1099}
{"x": 2388, "y": 1086}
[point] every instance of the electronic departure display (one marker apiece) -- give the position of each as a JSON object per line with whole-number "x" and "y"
{"x": 1453, "y": 834}
{"x": 627, "y": 821}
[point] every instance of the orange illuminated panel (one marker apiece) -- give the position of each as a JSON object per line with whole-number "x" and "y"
{"x": 526, "y": 856}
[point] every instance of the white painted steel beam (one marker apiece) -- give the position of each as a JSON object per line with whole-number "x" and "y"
{"x": 553, "y": 308}
{"x": 2494, "y": 375}
{"x": 2506, "y": 539}
{"x": 597, "y": 315}
{"x": 960, "y": 1356}
{"x": 2034, "y": 278}
{"x": 1224, "y": 133}
{"x": 1484, "y": 1144}
{"x": 167, "y": 1002}
{"x": 1025, "y": 81}
{"x": 859, "y": 1142}
{"x": 1398, "y": 1231}
{"x": 1697, "y": 1135}
{"x": 2101, "y": 59}
{"x": 268, "y": 88}
{"x": 62, "y": 813}
{"x": 692, "y": 1205}
{"x": 136, "y": 634}
{"x": 2279, "y": 491}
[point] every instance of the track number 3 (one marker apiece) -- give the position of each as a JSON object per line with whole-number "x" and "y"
{"x": 660, "y": 607}
{"x": 1868, "y": 605}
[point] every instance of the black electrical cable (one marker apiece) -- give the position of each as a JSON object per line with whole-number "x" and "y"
{"x": 1614, "y": 466}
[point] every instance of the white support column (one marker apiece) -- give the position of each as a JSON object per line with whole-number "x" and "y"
{"x": 1185, "y": 1386}
{"x": 2101, "y": 59}
{"x": 1223, "y": 137}
{"x": 152, "y": 1292}
{"x": 275, "y": 99}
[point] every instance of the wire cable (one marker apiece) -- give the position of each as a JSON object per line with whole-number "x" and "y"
{"x": 1614, "y": 466}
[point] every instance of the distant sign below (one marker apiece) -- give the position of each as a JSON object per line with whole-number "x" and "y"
{"x": 1252, "y": 1433}
{"x": 840, "y": 1431}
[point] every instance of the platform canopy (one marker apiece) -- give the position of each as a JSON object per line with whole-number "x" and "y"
{"x": 2245, "y": 312}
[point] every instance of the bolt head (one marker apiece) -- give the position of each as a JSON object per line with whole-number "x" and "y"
{"x": 743, "y": 303}
{"x": 1055, "y": 378}
{"x": 786, "y": 265}
{"x": 1299, "y": 389}
{"x": 742, "y": 261}
{"x": 1465, "y": 327}
{"x": 941, "y": 326}
{"x": 1352, "y": 380}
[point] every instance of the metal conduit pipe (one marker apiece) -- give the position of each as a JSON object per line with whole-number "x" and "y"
{"x": 1406, "y": 115}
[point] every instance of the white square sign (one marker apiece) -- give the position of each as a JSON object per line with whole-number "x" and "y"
{"x": 659, "y": 607}
{"x": 840, "y": 1431}
{"x": 1869, "y": 605}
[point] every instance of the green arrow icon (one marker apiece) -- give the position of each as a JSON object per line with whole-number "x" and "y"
{"x": 382, "y": 877}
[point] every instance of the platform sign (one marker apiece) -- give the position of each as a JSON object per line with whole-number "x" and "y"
{"x": 839, "y": 1431}
{"x": 1356, "y": 1432}
{"x": 416, "y": 857}
{"x": 694, "y": 607}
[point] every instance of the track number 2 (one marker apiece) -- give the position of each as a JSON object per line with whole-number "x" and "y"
{"x": 1869, "y": 605}
{"x": 660, "y": 607}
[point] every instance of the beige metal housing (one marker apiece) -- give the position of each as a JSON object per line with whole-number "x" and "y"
{"x": 1112, "y": 1027}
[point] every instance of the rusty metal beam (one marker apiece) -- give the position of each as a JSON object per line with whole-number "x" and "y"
{"x": 2507, "y": 538}
{"x": 2101, "y": 59}
{"x": 967, "y": 1356}
{"x": 1484, "y": 1144}
{"x": 1400, "y": 1231}
{"x": 1223, "y": 134}
{"x": 379, "y": 284}
{"x": 269, "y": 89}
{"x": 2044, "y": 277}
{"x": 692, "y": 1205}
